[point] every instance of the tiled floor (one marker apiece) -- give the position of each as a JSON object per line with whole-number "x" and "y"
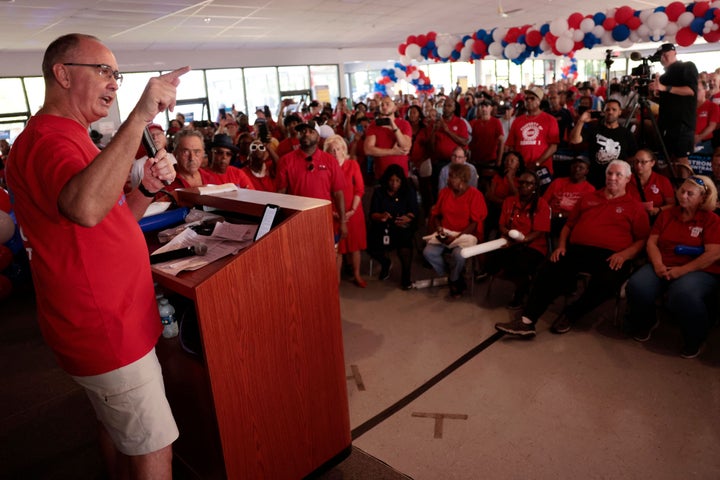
{"x": 588, "y": 404}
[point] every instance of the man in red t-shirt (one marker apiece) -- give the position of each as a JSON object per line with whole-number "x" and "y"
{"x": 388, "y": 139}
{"x": 707, "y": 120}
{"x": 535, "y": 134}
{"x": 488, "y": 137}
{"x": 96, "y": 302}
{"x": 605, "y": 231}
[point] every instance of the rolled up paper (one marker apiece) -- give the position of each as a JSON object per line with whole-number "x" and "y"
{"x": 483, "y": 248}
{"x": 516, "y": 235}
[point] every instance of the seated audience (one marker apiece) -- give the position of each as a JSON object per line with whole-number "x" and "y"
{"x": 456, "y": 221}
{"x": 564, "y": 192}
{"x": 356, "y": 240}
{"x": 503, "y": 185}
{"x": 393, "y": 221}
{"x": 459, "y": 155}
{"x": 605, "y": 231}
{"x": 221, "y": 152}
{"x": 653, "y": 189}
{"x": 690, "y": 279}
{"x": 260, "y": 168}
{"x": 190, "y": 152}
{"x": 529, "y": 214}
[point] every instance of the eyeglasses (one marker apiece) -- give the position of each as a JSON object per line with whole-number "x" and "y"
{"x": 699, "y": 181}
{"x": 257, "y": 146}
{"x": 103, "y": 70}
{"x": 311, "y": 166}
{"x": 185, "y": 151}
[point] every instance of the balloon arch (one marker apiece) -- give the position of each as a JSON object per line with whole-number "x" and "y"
{"x": 675, "y": 23}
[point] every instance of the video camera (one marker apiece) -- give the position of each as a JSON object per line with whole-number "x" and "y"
{"x": 640, "y": 76}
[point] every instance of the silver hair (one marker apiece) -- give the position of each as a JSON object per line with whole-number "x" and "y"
{"x": 627, "y": 171}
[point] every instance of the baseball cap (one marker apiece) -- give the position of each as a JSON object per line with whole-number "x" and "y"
{"x": 537, "y": 91}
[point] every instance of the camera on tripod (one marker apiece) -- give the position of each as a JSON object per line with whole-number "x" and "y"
{"x": 641, "y": 76}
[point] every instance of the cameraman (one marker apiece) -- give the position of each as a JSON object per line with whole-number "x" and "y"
{"x": 677, "y": 96}
{"x": 606, "y": 139}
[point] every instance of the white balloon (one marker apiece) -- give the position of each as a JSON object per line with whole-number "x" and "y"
{"x": 627, "y": 43}
{"x": 465, "y": 53}
{"x": 607, "y": 39}
{"x": 414, "y": 75}
{"x": 513, "y": 50}
{"x": 495, "y": 49}
{"x": 469, "y": 42}
{"x": 715, "y": 4}
{"x": 671, "y": 28}
{"x": 669, "y": 38}
{"x": 684, "y": 19}
{"x": 598, "y": 31}
{"x": 444, "y": 50}
{"x": 587, "y": 25}
{"x": 400, "y": 74}
{"x": 564, "y": 45}
{"x": 644, "y": 31}
{"x": 405, "y": 60}
{"x": 545, "y": 46}
{"x": 635, "y": 37}
{"x": 656, "y": 35}
{"x": 578, "y": 35}
{"x": 558, "y": 26}
{"x": 499, "y": 34}
{"x": 644, "y": 14}
{"x": 412, "y": 51}
{"x": 658, "y": 20}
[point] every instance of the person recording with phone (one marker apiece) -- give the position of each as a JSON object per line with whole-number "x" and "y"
{"x": 606, "y": 139}
{"x": 96, "y": 302}
{"x": 388, "y": 139}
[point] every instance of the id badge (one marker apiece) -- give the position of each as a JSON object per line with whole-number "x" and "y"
{"x": 386, "y": 239}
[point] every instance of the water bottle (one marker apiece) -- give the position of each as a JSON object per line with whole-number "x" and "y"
{"x": 167, "y": 317}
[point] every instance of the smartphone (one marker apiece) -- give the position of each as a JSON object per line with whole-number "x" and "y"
{"x": 222, "y": 114}
{"x": 382, "y": 121}
{"x": 267, "y": 221}
{"x": 596, "y": 115}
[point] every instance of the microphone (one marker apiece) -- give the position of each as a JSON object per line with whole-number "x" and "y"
{"x": 636, "y": 56}
{"x": 150, "y": 147}
{"x": 200, "y": 249}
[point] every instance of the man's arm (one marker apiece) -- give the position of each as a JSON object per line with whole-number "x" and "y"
{"x": 90, "y": 195}
{"x": 339, "y": 199}
{"x": 576, "y": 132}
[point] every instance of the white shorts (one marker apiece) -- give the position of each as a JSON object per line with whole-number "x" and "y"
{"x": 130, "y": 402}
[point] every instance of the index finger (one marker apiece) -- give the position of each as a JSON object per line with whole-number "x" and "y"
{"x": 174, "y": 76}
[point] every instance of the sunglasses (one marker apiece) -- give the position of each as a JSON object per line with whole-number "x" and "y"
{"x": 257, "y": 146}
{"x": 311, "y": 166}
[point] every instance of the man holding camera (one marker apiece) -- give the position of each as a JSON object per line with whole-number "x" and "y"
{"x": 607, "y": 140}
{"x": 388, "y": 139}
{"x": 677, "y": 95}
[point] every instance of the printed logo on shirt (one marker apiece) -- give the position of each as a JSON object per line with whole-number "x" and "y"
{"x": 619, "y": 210}
{"x": 609, "y": 149}
{"x": 695, "y": 232}
{"x": 654, "y": 189}
{"x": 530, "y": 133}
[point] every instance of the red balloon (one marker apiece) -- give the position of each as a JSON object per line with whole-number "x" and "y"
{"x": 674, "y": 10}
{"x": 623, "y": 14}
{"x": 533, "y": 38}
{"x": 700, "y": 9}
{"x": 422, "y": 40}
{"x": 578, "y": 46}
{"x": 5, "y": 287}
{"x": 685, "y": 37}
{"x": 574, "y": 20}
{"x": 512, "y": 35}
{"x": 5, "y": 205}
{"x": 609, "y": 23}
{"x": 432, "y": 36}
{"x": 712, "y": 37}
{"x": 411, "y": 39}
{"x": 6, "y": 257}
{"x": 401, "y": 48}
{"x": 633, "y": 23}
{"x": 479, "y": 48}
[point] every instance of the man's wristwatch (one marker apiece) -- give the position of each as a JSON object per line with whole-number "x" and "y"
{"x": 668, "y": 89}
{"x": 145, "y": 191}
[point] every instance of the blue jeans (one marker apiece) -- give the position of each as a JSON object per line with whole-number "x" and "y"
{"x": 433, "y": 253}
{"x": 686, "y": 297}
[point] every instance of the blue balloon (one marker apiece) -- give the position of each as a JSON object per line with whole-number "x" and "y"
{"x": 698, "y": 25}
{"x": 466, "y": 38}
{"x": 480, "y": 33}
{"x": 620, "y": 32}
{"x": 521, "y": 40}
{"x": 400, "y": 66}
{"x": 589, "y": 40}
{"x": 424, "y": 52}
{"x": 662, "y": 9}
{"x": 599, "y": 18}
{"x": 430, "y": 45}
{"x": 544, "y": 29}
{"x": 455, "y": 55}
{"x": 383, "y": 72}
{"x": 710, "y": 14}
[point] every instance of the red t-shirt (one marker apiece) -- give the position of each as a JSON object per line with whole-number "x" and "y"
{"x": 386, "y": 138}
{"x": 531, "y": 136}
{"x": 516, "y": 217}
{"x": 458, "y": 212}
{"x": 265, "y": 184}
{"x": 484, "y": 142}
{"x": 237, "y": 176}
{"x": 562, "y": 195}
{"x": 295, "y": 175}
{"x": 287, "y": 146}
{"x": 656, "y": 190}
{"x": 95, "y": 297}
{"x": 501, "y": 186}
{"x": 701, "y": 230}
{"x": 707, "y": 112}
{"x": 419, "y": 151}
{"x": 208, "y": 178}
{"x": 614, "y": 224}
{"x": 444, "y": 145}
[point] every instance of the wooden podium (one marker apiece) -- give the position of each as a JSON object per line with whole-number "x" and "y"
{"x": 269, "y": 398}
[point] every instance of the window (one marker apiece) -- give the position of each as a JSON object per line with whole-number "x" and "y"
{"x": 261, "y": 85}
{"x": 225, "y": 89}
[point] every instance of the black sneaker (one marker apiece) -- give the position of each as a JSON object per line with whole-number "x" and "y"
{"x": 517, "y": 327}
{"x": 692, "y": 351}
{"x": 562, "y": 324}
{"x": 385, "y": 270}
{"x": 644, "y": 334}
